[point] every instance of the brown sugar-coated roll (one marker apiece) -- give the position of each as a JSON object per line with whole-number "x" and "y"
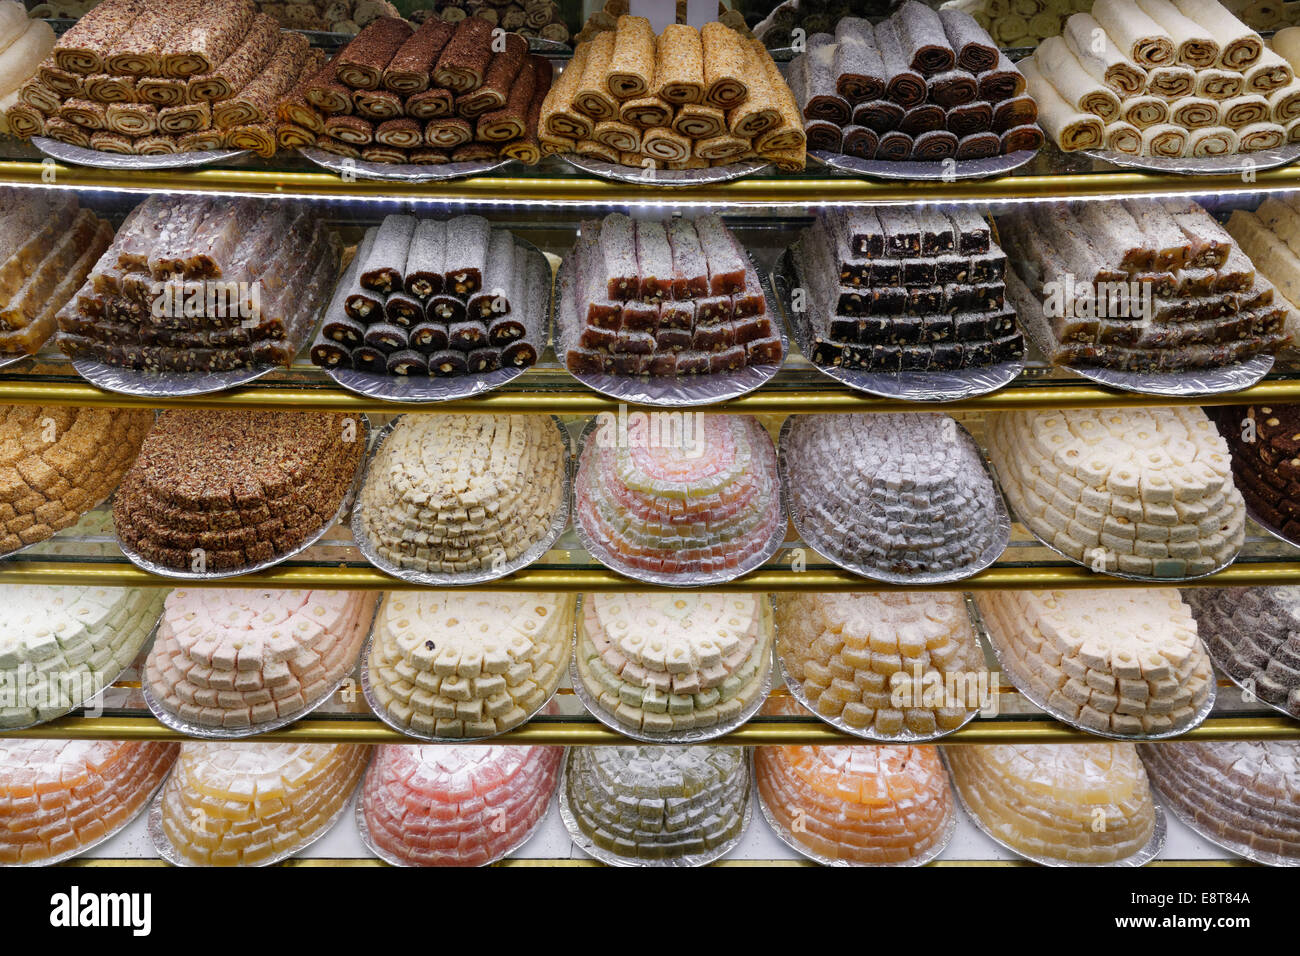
{"x": 206, "y": 36}
{"x": 234, "y": 72}
{"x": 645, "y": 112}
{"x": 465, "y": 59}
{"x": 511, "y": 121}
{"x": 498, "y": 81}
{"x": 559, "y": 117}
{"x": 326, "y": 93}
{"x": 409, "y": 69}
{"x": 362, "y": 62}
{"x": 592, "y": 96}
{"x": 256, "y": 102}
{"x": 429, "y": 104}
{"x": 294, "y": 109}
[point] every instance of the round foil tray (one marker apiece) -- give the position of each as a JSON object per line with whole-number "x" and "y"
{"x": 1205, "y": 381}
{"x": 80, "y": 156}
{"x": 363, "y": 828}
{"x": 8, "y": 361}
{"x": 207, "y": 732}
{"x": 912, "y": 386}
{"x": 919, "y": 579}
{"x": 925, "y": 170}
{"x": 147, "y": 642}
{"x": 431, "y": 389}
{"x": 144, "y": 564}
{"x": 145, "y": 804}
{"x": 399, "y": 172}
{"x": 1284, "y": 155}
{"x": 1126, "y": 575}
{"x": 436, "y": 579}
{"x": 618, "y": 173}
{"x": 1240, "y": 849}
{"x": 368, "y": 691}
{"x": 134, "y": 381}
{"x": 683, "y": 579}
{"x": 906, "y": 737}
{"x": 686, "y": 391}
{"x": 1023, "y": 687}
{"x": 1142, "y": 857}
{"x": 696, "y": 735}
{"x": 588, "y": 846}
{"x": 789, "y": 839}
{"x": 168, "y": 852}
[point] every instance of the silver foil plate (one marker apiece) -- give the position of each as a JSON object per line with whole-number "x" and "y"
{"x": 683, "y": 579}
{"x": 1193, "y": 381}
{"x": 616, "y": 172}
{"x": 792, "y": 841}
{"x": 135, "y": 381}
{"x": 696, "y": 735}
{"x": 80, "y": 156}
{"x": 8, "y": 361}
{"x": 1232, "y": 163}
{"x": 912, "y": 386}
{"x": 1205, "y": 833}
{"x": 925, "y": 170}
{"x": 363, "y": 828}
{"x": 431, "y": 389}
{"x": 144, "y": 564}
{"x": 168, "y": 852}
{"x": 437, "y": 579}
{"x": 1012, "y": 671}
{"x": 399, "y": 172}
{"x": 685, "y": 391}
{"x": 72, "y": 854}
{"x": 1125, "y": 575}
{"x": 146, "y": 643}
{"x": 1148, "y": 852}
{"x": 828, "y": 549}
{"x": 174, "y": 722}
{"x": 380, "y": 711}
{"x": 905, "y": 737}
{"x": 588, "y": 846}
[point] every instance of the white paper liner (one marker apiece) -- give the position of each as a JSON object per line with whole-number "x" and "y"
{"x": 399, "y": 172}
{"x": 618, "y": 173}
{"x": 145, "y": 804}
{"x": 431, "y": 388}
{"x": 1102, "y": 575}
{"x": 828, "y": 550}
{"x": 168, "y": 852}
{"x": 436, "y": 579}
{"x": 1011, "y": 670}
{"x": 695, "y": 735}
{"x": 905, "y": 737}
{"x": 683, "y": 579}
{"x": 685, "y": 391}
{"x": 363, "y": 828}
{"x": 80, "y": 156}
{"x": 1193, "y": 381}
{"x": 1232, "y": 163}
{"x": 380, "y": 711}
{"x": 1142, "y": 857}
{"x": 912, "y": 386}
{"x": 925, "y": 170}
{"x": 790, "y": 840}
{"x": 144, "y": 564}
{"x": 175, "y": 722}
{"x": 588, "y": 846}
{"x": 1240, "y": 849}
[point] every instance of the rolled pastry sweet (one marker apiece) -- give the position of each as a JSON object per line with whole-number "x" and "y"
{"x": 1071, "y": 129}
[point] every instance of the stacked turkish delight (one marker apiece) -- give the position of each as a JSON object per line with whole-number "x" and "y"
{"x": 662, "y": 298}
{"x": 897, "y": 289}
{"x": 428, "y": 297}
{"x": 1138, "y": 285}
{"x": 1254, "y": 637}
{"x": 203, "y": 285}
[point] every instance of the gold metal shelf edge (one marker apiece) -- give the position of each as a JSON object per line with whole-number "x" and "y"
{"x": 347, "y": 862}
{"x": 571, "y": 580}
{"x": 793, "y": 190}
{"x": 824, "y": 398}
{"x": 584, "y": 733}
